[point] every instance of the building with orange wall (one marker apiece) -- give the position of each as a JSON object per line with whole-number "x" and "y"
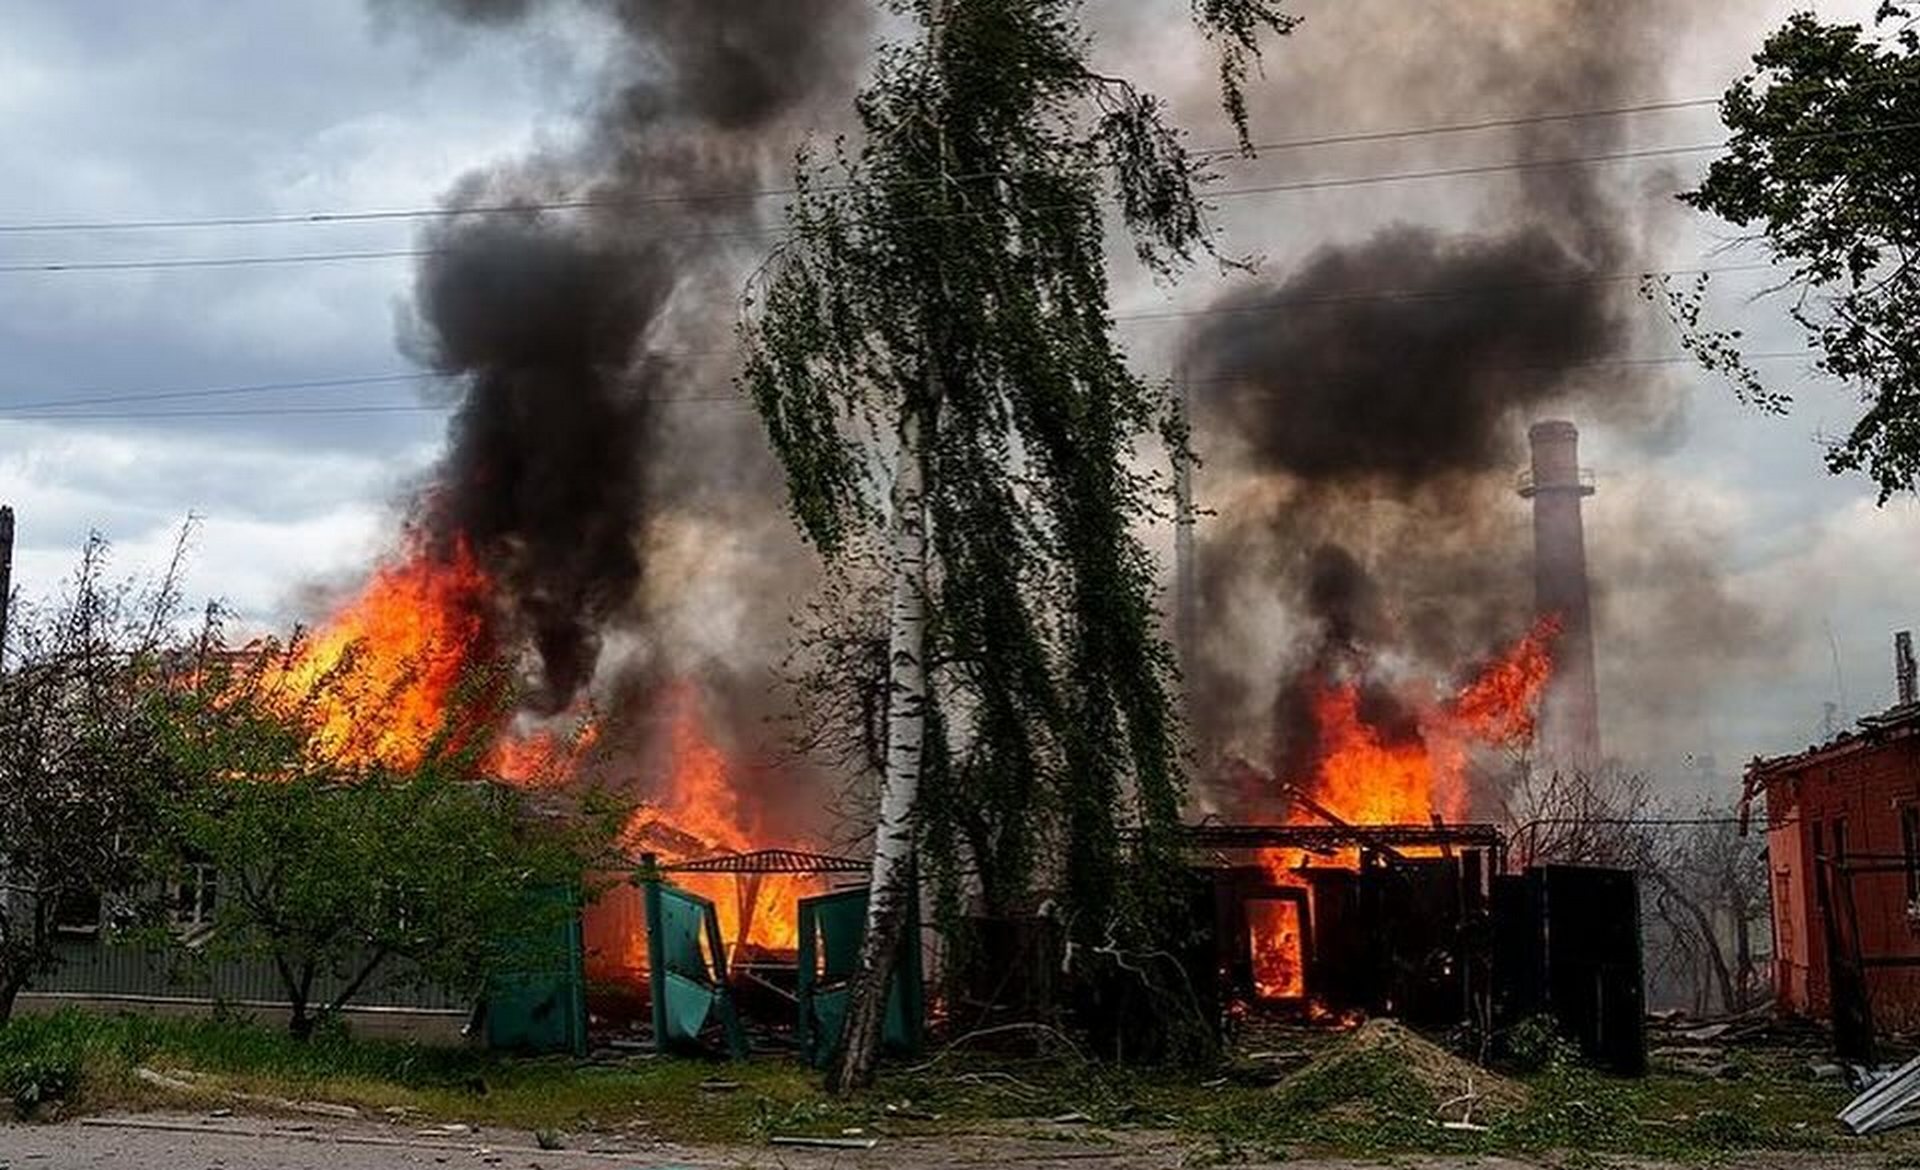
{"x": 1843, "y": 851}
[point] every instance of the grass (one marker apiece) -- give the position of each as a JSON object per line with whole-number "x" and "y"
{"x": 1362, "y": 1106}
{"x": 93, "y": 1059}
{"x": 1371, "y": 1106}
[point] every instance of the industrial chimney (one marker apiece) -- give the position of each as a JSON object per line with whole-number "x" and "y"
{"x": 1570, "y": 717}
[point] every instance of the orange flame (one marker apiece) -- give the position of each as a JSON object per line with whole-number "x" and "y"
{"x": 377, "y": 681}
{"x": 700, "y": 812}
{"x": 1278, "y": 970}
{"x": 1365, "y": 778}
{"x": 540, "y": 758}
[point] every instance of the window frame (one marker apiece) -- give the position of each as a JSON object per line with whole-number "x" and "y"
{"x": 193, "y": 897}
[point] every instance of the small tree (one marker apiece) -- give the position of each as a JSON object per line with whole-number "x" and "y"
{"x": 1823, "y": 159}
{"x": 1704, "y": 885}
{"x": 345, "y": 873}
{"x": 83, "y": 766}
{"x": 346, "y": 885}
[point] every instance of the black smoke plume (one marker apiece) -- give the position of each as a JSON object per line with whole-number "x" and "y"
{"x": 558, "y": 462}
{"x": 1403, "y": 388}
{"x": 1369, "y": 403}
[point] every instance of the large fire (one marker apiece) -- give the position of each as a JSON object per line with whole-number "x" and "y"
{"x": 699, "y": 812}
{"x": 377, "y": 681}
{"x": 1366, "y": 776}
{"x": 394, "y": 669}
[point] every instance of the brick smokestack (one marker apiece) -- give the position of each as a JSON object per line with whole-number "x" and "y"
{"x": 1570, "y": 720}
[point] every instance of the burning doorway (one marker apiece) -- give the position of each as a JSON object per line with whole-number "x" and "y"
{"x": 1277, "y": 944}
{"x": 1399, "y": 929}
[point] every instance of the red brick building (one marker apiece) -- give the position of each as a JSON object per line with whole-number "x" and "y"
{"x": 1843, "y": 849}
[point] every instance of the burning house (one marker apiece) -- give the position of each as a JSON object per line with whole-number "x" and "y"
{"x": 1356, "y": 746}
{"x": 1377, "y": 895}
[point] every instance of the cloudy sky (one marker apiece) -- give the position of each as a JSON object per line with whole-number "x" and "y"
{"x": 193, "y": 109}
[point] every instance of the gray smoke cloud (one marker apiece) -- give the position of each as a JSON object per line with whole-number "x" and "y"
{"x": 1379, "y": 389}
{"x": 569, "y": 326}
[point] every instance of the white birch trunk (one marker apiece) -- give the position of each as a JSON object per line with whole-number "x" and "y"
{"x": 891, "y": 882}
{"x": 891, "y": 885}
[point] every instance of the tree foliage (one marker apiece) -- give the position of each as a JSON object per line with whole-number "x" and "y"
{"x": 1823, "y": 158}
{"x": 84, "y": 770}
{"x": 951, "y": 267}
{"x": 345, "y": 873}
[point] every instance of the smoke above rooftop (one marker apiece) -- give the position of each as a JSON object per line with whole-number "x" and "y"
{"x": 568, "y": 325}
{"x": 1362, "y": 408}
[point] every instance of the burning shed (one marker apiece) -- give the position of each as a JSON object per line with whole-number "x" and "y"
{"x": 1423, "y": 923}
{"x": 1379, "y": 919}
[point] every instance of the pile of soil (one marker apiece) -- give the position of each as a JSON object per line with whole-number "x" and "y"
{"x": 1382, "y": 1058}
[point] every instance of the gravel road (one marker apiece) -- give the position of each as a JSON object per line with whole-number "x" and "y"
{"x": 185, "y": 1142}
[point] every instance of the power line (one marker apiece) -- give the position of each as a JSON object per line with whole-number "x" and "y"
{"x": 97, "y": 397}
{"x": 1230, "y": 378}
{"x": 103, "y": 397}
{"x": 213, "y": 261}
{"x": 1348, "y": 181}
{"x": 1235, "y": 377}
{"x": 1415, "y": 294}
{"x": 411, "y": 213}
{"x": 278, "y": 411}
{"x": 94, "y": 397}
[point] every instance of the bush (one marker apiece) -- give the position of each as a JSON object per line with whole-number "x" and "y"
{"x": 35, "y": 1080}
{"x": 42, "y": 1059}
{"x": 1536, "y": 1045}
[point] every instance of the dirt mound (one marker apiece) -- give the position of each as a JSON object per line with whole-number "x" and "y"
{"x": 1382, "y": 1063}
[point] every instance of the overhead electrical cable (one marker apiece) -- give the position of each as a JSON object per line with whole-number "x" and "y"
{"x": 103, "y": 397}
{"x": 1332, "y": 182}
{"x": 37, "y": 412}
{"x": 377, "y": 215}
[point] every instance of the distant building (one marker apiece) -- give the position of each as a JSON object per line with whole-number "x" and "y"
{"x": 1843, "y": 849}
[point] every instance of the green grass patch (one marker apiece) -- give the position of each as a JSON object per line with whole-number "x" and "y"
{"x": 1366, "y": 1104}
{"x": 1365, "y": 1110}
{"x": 85, "y": 1061}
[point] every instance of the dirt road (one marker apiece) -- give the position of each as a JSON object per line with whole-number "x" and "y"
{"x": 162, "y": 1142}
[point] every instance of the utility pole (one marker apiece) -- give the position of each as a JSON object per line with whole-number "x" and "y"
{"x": 1186, "y": 577}
{"x": 1186, "y": 617}
{"x": 6, "y": 575}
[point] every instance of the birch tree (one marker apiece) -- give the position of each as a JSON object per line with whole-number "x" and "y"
{"x": 932, "y": 355}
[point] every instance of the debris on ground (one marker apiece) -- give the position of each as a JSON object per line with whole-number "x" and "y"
{"x": 1892, "y": 1100}
{"x": 829, "y": 1143}
{"x": 1706, "y": 1047}
{"x": 161, "y": 1080}
{"x": 184, "y": 1081}
{"x": 1462, "y": 1092}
